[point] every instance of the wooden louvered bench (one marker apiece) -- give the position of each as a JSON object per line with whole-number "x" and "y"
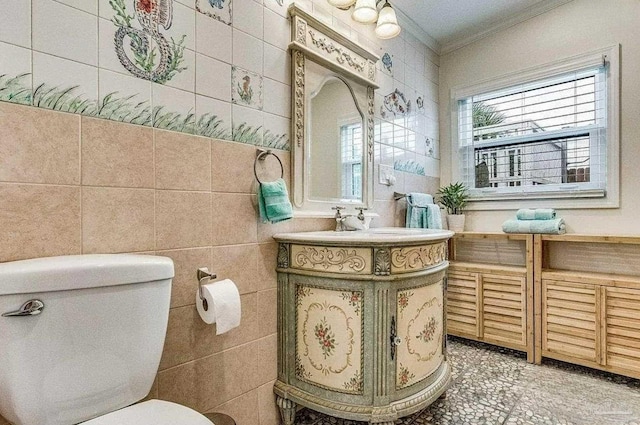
{"x": 490, "y": 289}
{"x": 587, "y": 301}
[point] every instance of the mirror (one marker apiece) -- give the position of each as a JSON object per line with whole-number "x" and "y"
{"x": 333, "y": 81}
{"x": 336, "y": 143}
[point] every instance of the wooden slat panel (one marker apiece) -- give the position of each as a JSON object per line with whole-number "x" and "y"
{"x": 572, "y": 339}
{"x": 624, "y": 303}
{"x": 624, "y": 323}
{"x": 581, "y": 315}
{"x": 501, "y": 295}
{"x": 490, "y": 286}
{"x": 502, "y": 310}
{"x": 571, "y": 350}
{"x": 579, "y": 297}
{"x": 461, "y": 290}
{"x": 628, "y": 352}
{"x": 569, "y": 305}
{"x": 502, "y": 326}
{"x": 622, "y": 341}
{"x": 621, "y": 312}
{"x": 625, "y": 332}
{"x": 570, "y": 322}
{"x": 461, "y": 312}
{"x": 460, "y": 318}
{"x": 514, "y": 305}
{"x": 461, "y": 305}
{"x": 502, "y": 318}
{"x": 571, "y": 330}
{"x": 624, "y": 364}
{"x": 455, "y": 296}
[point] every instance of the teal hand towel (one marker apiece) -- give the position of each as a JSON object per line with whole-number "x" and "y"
{"x": 434, "y": 218}
{"x": 273, "y": 202}
{"x": 553, "y": 227}
{"x": 417, "y": 210}
{"x": 536, "y": 214}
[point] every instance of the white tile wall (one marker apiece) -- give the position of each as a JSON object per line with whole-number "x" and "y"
{"x": 52, "y": 71}
{"x": 213, "y": 38}
{"x": 15, "y": 22}
{"x": 65, "y": 31}
{"x": 247, "y": 51}
{"x": 248, "y": 17}
{"x": 213, "y": 78}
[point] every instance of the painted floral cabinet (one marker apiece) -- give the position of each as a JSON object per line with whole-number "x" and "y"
{"x": 361, "y": 325}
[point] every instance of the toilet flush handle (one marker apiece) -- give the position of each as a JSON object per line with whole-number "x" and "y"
{"x": 30, "y": 308}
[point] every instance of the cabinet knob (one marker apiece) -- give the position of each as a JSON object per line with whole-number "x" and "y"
{"x": 397, "y": 340}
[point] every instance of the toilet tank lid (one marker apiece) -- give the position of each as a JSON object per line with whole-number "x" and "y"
{"x": 81, "y": 271}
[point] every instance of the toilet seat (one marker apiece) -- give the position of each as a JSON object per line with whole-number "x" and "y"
{"x": 152, "y": 412}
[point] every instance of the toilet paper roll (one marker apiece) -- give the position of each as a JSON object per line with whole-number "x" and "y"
{"x": 223, "y": 302}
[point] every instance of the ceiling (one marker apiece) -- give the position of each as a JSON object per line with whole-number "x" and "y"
{"x": 448, "y": 21}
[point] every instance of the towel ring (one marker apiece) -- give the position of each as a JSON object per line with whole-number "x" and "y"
{"x": 261, "y": 156}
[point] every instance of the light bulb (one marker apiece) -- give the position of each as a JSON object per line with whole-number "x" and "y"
{"x": 365, "y": 11}
{"x": 387, "y": 26}
{"x": 341, "y": 4}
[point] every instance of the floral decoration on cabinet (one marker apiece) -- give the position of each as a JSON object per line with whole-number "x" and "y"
{"x": 328, "y": 353}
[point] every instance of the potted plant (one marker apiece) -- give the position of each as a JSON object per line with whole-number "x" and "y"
{"x": 454, "y": 197}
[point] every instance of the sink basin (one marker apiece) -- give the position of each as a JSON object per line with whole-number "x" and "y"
{"x": 374, "y": 236}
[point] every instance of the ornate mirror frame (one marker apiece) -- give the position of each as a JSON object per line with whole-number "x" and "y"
{"x": 315, "y": 41}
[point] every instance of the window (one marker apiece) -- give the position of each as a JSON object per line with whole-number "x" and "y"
{"x": 543, "y": 134}
{"x": 351, "y": 158}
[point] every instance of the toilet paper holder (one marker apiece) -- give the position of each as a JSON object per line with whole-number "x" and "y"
{"x": 204, "y": 276}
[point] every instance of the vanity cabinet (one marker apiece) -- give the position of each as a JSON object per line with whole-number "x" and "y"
{"x": 361, "y": 332}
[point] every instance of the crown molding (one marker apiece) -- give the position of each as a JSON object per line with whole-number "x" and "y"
{"x": 409, "y": 25}
{"x": 493, "y": 26}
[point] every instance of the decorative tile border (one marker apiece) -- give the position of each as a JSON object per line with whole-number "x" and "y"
{"x": 409, "y": 166}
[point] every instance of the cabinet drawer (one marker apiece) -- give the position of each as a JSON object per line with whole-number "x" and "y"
{"x": 569, "y": 319}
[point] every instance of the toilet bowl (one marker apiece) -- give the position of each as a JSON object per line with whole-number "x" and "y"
{"x": 81, "y": 339}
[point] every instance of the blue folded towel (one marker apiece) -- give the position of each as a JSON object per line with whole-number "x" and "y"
{"x": 536, "y": 214}
{"x": 422, "y": 212}
{"x": 273, "y": 202}
{"x": 553, "y": 227}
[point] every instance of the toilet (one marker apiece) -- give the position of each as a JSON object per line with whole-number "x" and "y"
{"x": 81, "y": 339}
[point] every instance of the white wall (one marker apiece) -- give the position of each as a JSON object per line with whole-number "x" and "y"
{"x": 576, "y": 27}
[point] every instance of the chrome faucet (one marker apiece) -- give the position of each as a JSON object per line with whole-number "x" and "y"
{"x": 338, "y": 217}
{"x": 361, "y": 216}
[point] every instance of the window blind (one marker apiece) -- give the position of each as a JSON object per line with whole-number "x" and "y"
{"x": 544, "y": 138}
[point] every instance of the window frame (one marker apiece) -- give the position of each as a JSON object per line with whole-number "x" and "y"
{"x": 565, "y": 197}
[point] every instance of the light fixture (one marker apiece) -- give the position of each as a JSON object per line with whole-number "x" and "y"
{"x": 366, "y": 12}
{"x": 387, "y": 26}
{"x": 341, "y": 4}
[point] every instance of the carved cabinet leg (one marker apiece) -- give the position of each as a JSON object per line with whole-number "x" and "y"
{"x": 287, "y": 410}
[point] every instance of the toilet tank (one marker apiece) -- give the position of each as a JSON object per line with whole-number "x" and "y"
{"x": 97, "y": 343}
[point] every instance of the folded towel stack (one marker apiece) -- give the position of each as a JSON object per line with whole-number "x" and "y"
{"x": 422, "y": 212}
{"x": 541, "y": 220}
{"x": 273, "y": 202}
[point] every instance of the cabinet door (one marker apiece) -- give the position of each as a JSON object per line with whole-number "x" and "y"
{"x": 462, "y": 304}
{"x": 622, "y": 331}
{"x": 329, "y": 338}
{"x": 569, "y": 320}
{"x": 504, "y": 309}
{"x": 420, "y": 328}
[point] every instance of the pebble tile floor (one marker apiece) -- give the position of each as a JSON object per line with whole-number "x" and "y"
{"x": 494, "y": 385}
